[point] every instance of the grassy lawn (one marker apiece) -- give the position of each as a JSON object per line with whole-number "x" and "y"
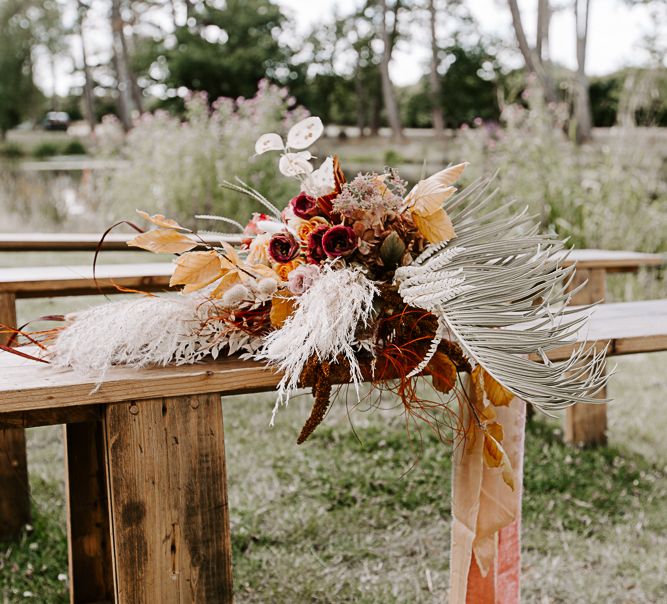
{"x": 363, "y": 515}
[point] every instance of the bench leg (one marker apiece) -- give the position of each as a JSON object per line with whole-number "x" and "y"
{"x": 89, "y": 536}
{"x": 14, "y": 489}
{"x": 586, "y": 424}
{"x": 168, "y": 501}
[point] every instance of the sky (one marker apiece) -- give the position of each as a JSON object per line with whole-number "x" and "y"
{"x": 615, "y": 36}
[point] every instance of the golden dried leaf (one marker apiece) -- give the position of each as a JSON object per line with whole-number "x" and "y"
{"x": 282, "y": 307}
{"x": 161, "y": 221}
{"x": 495, "y": 392}
{"x": 495, "y": 456}
{"x": 435, "y": 227}
{"x": 229, "y": 279}
{"x": 476, "y": 390}
{"x": 443, "y": 372}
{"x": 163, "y": 241}
{"x": 196, "y": 270}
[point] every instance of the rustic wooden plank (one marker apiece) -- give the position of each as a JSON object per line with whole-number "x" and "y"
{"x": 14, "y": 486}
{"x": 50, "y": 417}
{"x": 587, "y": 424}
{"x": 613, "y": 260}
{"x": 37, "y": 386}
{"x": 51, "y": 281}
{"x": 75, "y": 242}
{"x": 88, "y": 528}
{"x": 25, "y": 385}
{"x": 169, "y": 511}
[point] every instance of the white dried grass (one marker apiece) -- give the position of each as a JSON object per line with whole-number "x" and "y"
{"x": 138, "y": 333}
{"x": 324, "y": 323}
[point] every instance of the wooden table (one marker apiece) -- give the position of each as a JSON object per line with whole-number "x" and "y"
{"x": 147, "y": 510}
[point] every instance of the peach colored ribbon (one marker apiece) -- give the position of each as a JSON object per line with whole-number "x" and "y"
{"x": 485, "y": 560}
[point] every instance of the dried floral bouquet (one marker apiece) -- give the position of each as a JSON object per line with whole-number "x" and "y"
{"x": 359, "y": 281}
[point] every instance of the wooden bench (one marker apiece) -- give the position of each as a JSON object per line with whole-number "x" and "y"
{"x": 76, "y": 242}
{"x": 38, "y": 282}
{"x": 147, "y": 506}
{"x": 587, "y": 424}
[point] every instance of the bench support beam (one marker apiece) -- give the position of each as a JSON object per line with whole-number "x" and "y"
{"x": 88, "y": 532}
{"x": 14, "y": 486}
{"x": 169, "y": 514}
{"x": 586, "y": 424}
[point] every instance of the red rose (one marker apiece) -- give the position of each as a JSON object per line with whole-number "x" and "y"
{"x": 339, "y": 241}
{"x": 304, "y": 206}
{"x": 315, "y": 251}
{"x": 283, "y": 247}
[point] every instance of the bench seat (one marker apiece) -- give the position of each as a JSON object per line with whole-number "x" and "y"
{"x": 49, "y": 281}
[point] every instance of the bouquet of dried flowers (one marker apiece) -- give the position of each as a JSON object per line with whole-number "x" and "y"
{"x": 360, "y": 281}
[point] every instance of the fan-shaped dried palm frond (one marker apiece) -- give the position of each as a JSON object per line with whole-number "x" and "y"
{"x": 499, "y": 289}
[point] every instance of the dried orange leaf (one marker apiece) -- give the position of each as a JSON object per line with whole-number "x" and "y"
{"x": 161, "y": 221}
{"x": 163, "y": 241}
{"x": 282, "y": 308}
{"x": 476, "y": 390}
{"x": 496, "y": 457}
{"x": 196, "y": 270}
{"x": 443, "y": 372}
{"x": 230, "y": 278}
{"x": 435, "y": 227}
{"x": 495, "y": 392}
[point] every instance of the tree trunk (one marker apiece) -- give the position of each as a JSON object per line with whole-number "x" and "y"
{"x": 531, "y": 58}
{"x": 435, "y": 87}
{"x": 388, "y": 92}
{"x": 125, "y": 105}
{"x": 582, "y": 105}
{"x": 88, "y": 96}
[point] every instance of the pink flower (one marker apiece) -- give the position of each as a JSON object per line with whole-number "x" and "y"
{"x": 252, "y": 228}
{"x": 339, "y": 241}
{"x": 283, "y": 247}
{"x": 304, "y": 206}
{"x": 302, "y": 277}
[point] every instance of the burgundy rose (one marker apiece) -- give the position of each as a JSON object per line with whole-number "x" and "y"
{"x": 315, "y": 252}
{"x": 304, "y": 206}
{"x": 339, "y": 241}
{"x": 283, "y": 247}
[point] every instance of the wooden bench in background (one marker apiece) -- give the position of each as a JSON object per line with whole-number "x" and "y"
{"x": 42, "y": 282}
{"x": 148, "y": 518}
{"x": 587, "y": 424}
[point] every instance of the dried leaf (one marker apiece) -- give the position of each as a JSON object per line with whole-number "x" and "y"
{"x": 392, "y": 250}
{"x": 495, "y": 456}
{"x": 495, "y": 392}
{"x": 282, "y": 307}
{"x": 305, "y": 133}
{"x": 163, "y": 241}
{"x": 161, "y": 221}
{"x": 228, "y": 280}
{"x": 435, "y": 227}
{"x": 196, "y": 270}
{"x": 476, "y": 390}
{"x": 443, "y": 372}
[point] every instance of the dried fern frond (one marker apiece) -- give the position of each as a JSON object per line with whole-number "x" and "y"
{"x": 499, "y": 288}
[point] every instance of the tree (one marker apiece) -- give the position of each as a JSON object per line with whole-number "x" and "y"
{"x": 226, "y": 51}
{"x": 534, "y": 58}
{"x": 388, "y": 40}
{"x": 88, "y": 96}
{"x": 49, "y": 34}
{"x": 18, "y": 93}
{"x": 434, "y": 76}
{"x": 582, "y": 103}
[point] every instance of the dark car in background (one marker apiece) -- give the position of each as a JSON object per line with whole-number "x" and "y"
{"x": 56, "y": 120}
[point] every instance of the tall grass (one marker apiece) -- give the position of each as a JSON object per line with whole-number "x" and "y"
{"x": 611, "y": 194}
